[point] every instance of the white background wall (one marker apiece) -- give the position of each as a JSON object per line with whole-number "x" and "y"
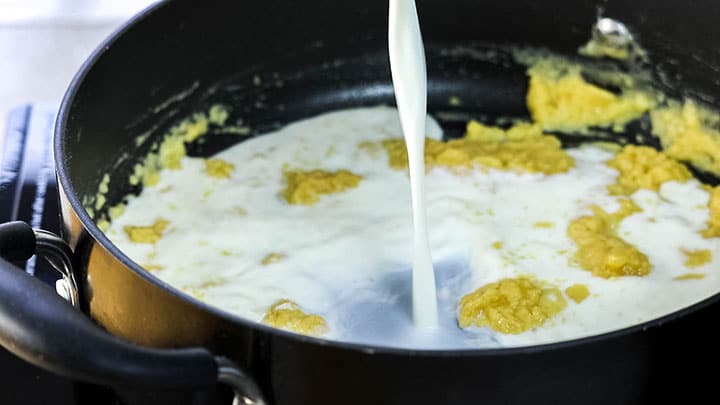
{"x": 44, "y": 42}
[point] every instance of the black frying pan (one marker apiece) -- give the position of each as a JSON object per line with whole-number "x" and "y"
{"x": 183, "y": 56}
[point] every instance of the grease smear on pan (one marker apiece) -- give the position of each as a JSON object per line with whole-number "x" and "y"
{"x": 307, "y": 228}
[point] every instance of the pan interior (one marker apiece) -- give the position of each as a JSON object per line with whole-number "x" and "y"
{"x": 470, "y": 82}
{"x": 476, "y": 80}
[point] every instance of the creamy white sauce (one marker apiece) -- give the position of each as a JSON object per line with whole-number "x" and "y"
{"x": 348, "y": 256}
{"x": 407, "y": 64}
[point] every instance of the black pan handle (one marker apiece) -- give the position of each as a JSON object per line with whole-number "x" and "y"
{"x": 42, "y": 328}
{"x": 39, "y": 326}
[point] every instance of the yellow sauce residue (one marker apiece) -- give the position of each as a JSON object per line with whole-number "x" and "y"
{"x": 543, "y": 224}
{"x": 273, "y": 258}
{"x": 239, "y": 211}
{"x": 511, "y": 305}
{"x": 194, "y": 291}
{"x": 307, "y": 187}
{"x": 644, "y": 167}
{"x": 152, "y": 267}
{"x": 198, "y": 291}
{"x": 713, "y": 226}
{"x": 218, "y": 168}
{"x": 690, "y": 276}
{"x": 560, "y": 99}
{"x": 374, "y": 149}
{"x": 169, "y": 152}
{"x": 697, "y": 258}
{"x": 116, "y": 210}
{"x": 113, "y": 212}
{"x": 94, "y": 203}
{"x": 454, "y": 101}
{"x": 608, "y": 146}
{"x": 600, "y": 250}
{"x": 103, "y": 189}
{"x": 147, "y": 234}
{"x": 497, "y": 245}
{"x": 286, "y": 314}
{"x": 214, "y": 282}
{"x": 103, "y": 224}
{"x": 218, "y": 114}
{"x": 577, "y": 292}
{"x": 521, "y": 148}
{"x": 477, "y": 131}
{"x": 598, "y": 49}
{"x": 686, "y": 137}
{"x": 172, "y": 149}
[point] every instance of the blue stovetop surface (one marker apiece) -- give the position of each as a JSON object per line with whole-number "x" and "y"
{"x": 28, "y": 192}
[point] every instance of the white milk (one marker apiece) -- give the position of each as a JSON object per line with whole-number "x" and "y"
{"x": 407, "y": 63}
{"x": 348, "y": 256}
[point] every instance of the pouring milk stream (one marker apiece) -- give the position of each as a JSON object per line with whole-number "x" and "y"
{"x": 407, "y": 64}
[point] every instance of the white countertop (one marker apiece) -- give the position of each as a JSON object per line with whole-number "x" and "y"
{"x": 44, "y": 42}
